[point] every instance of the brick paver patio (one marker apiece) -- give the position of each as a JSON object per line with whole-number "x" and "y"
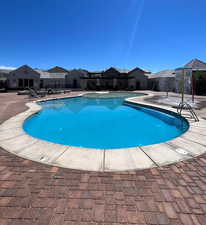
{"x": 37, "y": 194}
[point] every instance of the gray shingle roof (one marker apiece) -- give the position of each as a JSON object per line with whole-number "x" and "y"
{"x": 117, "y": 69}
{"x": 57, "y": 69}
{"x": 196, "y": 64}
{"x": 47, "y": 75}
{"x": 5, "y": 71}
{"x": 163, "y": 73}
{"x": 122, "y": 70}
{"x": 139, "y": 69}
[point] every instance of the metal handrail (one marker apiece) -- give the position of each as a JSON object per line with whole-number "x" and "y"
{"x": 186, "y": 106}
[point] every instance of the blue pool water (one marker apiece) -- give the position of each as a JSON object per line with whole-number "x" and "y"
{"x": 102, "y": 123}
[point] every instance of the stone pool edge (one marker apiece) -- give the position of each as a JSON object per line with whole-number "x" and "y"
{"x": 187, "y": 146}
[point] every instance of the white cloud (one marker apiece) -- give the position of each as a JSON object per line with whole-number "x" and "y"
{"x": 7, "y": 68}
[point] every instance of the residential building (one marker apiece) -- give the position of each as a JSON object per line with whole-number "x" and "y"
{"x": 23, "y": 77}
{"x": 162, "y": 81}
{"x": 171, "y": 80}
{"x": 3, "y": 77}
{"x": 116, "y": 79}
{"x": 194, "y": 77}
{"x": 74, "y": 78}
{"x": 109, "y": 79}
{"x": 51, "y": 79}
{"x": 139, "y": 79}
{"x": 58, "y": 77}
{"x": 198, "y": 76}
{"x": 26, "y": 76}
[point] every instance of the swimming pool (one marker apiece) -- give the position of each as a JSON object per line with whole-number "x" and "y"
{"x": 103, "y": 123}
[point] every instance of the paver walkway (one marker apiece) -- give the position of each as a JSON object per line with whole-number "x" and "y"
{"x": 36, "y": 194}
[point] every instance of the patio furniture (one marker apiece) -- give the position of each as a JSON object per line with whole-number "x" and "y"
{"x": 36, "y": 94}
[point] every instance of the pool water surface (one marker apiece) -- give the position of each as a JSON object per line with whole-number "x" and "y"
{"x": 102, "y": 123}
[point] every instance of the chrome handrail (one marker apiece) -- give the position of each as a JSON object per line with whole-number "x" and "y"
{"x": 187, "y": 106}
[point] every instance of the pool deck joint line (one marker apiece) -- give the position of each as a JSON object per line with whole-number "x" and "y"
{"x": 149, "y": 157}
{"x": 14, "y": 140}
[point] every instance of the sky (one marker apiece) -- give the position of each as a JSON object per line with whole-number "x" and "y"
{"x": 97, "y": 34}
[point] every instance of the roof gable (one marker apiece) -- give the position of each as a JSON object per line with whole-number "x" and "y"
{"x": 23, "y": 68}
{"x": 196, "y": 64}
{"x": 137, "y": 69}
{"x": 57, "y": 69}
{"x": 116, "y": 70}
{"x": 111, "y": 69}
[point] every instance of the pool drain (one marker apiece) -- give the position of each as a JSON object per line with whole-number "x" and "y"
{"x": 182, "y": 151}
{"x": 42, "y": 158}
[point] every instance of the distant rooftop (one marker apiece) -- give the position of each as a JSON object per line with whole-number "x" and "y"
{"x": 196, "y": 64}
{"x": 122, "y": 70}
{"x": 58, "y": 69}
{"x": 48, "y": 75}
{"x": 5, "y": 70}
{"x": 163, "y": 73}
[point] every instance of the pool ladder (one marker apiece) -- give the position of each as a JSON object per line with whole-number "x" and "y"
{"x": 188, "y": 107}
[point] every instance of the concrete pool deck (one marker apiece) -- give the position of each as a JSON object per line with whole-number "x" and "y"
{"x": 189, "y": 145}
{"x": 33, "y": 193}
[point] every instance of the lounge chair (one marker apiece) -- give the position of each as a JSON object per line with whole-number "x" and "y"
{"x": 35, "y": 94}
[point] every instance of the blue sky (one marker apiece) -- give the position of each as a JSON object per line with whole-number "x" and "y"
{"x": 97, "y": 34}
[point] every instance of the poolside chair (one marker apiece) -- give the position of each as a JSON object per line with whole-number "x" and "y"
{"x": 35, "y": 94}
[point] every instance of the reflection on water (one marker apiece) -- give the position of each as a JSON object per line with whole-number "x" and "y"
{"x": 80, "y": 103}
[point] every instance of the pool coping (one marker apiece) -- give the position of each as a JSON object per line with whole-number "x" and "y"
{"x": 187, "y": 146}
